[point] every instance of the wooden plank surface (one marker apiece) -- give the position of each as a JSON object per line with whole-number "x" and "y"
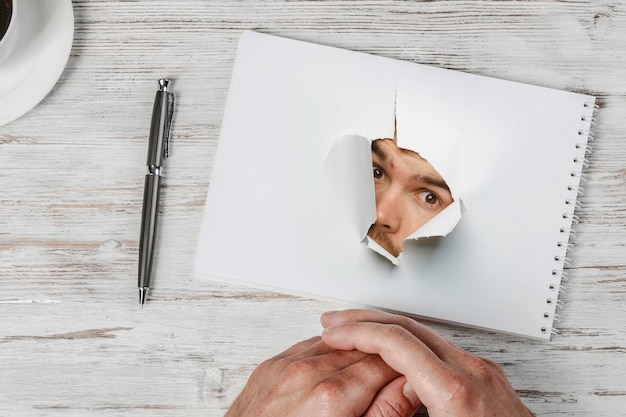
{"x": 72, "y": 338}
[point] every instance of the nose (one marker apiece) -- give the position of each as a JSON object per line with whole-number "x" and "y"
{"x": 388, "y": 210}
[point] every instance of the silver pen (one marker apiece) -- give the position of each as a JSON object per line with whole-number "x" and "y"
{"x": 158, "y": 150}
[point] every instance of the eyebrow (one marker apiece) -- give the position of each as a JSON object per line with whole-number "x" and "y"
{"x": 417, "y": 178}
{"x": 430, "y": 180}
{"x": 379, "y": 151}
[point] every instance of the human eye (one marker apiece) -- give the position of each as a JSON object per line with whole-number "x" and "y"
{"x": 378, "y": 172}
{"x": 429, "y": 198}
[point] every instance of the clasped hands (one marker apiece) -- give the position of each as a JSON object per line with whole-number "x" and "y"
{"x": 374, "y": 364}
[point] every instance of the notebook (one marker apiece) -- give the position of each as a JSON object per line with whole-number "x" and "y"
{"x": 320, "y": 147}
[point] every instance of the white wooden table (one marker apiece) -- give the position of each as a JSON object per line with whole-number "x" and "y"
{"x": 73, "y": 340}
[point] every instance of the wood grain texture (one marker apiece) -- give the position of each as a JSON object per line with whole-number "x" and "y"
{"x": 72, "y": 339}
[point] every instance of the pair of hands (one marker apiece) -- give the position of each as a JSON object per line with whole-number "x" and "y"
{"x": 373, "y": 364}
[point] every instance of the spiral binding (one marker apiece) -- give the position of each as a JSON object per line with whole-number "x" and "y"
{"x": 567, "y": 245}
{"x": 558, "y": 288}
{"x": 573, "y": 217}
{"x": 568, "y": 230}
{"x": 560, "y": 274}
{"x": 574, "y": 203}
{"x": 583, "y": 161}
{"x": 579, "y": 189}
{"x": 563, "y": 259}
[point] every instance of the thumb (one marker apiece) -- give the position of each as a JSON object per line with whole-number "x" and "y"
{"x": 411, "y": 396}
{"x": 392, "y": 400}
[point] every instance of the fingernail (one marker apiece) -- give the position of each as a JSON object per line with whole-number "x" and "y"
{"x": 410, "y": 395}
{"x": 326, "y": 317}
{"x": 325, "y": 335}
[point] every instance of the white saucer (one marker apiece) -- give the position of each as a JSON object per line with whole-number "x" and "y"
{"x": 35, "y": 64}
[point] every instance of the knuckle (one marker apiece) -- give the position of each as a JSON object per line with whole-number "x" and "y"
{"x": 460, "y": 385}
{"x": 462, "y": 391}
{"x": 495, "y": 367}
{"x": 404, "y": 321}
{"x": 487, "y": 371}
{"x": 395, "y": 331}
{"x": 479, "y": 377}
{"x": 263, "y": 368}
{"x": 476, "y": 362}
{"x": 300, "y": 370}
{"x": 330, "y": 391}
{"x": 302, "y": 367}
{"x": 285, "y": 374}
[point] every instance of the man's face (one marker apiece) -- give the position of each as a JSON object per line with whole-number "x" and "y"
{"x": 409, "y": 192}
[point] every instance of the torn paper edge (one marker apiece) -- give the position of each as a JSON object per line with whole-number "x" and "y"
{"x": 440, "y": 225}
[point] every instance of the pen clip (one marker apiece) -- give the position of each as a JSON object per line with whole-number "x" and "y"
{"x": 168, "y": 123}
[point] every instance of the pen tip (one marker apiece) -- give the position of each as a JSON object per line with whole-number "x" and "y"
{"x": 143, "y": 291}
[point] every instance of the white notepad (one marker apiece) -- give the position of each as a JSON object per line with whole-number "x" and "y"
{"x": 292, "y": 195}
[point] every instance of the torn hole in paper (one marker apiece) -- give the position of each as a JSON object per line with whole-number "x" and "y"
{"x": 393, "y": 193}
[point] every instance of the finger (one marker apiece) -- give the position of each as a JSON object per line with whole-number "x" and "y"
{"x": 429, "y": 376}
{"x": 299, "y": 347}
{"x": 358, "y": 384}
{"x": 312, "y": 361}
{"x": 392, "y": 400}
{"x": 333, "y": 318}
{"x": 346, "y": 381}
{"x": 322, "y": 366}
{"x": 444, "y": 349}
{"x": 333, "y": 359}
{"x": 306, "y": 348}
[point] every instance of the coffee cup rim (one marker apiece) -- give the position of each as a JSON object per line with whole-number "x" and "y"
{"x": 9, "y": 39}
{"x": 12, "y": 23}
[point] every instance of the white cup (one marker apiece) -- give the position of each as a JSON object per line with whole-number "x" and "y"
{"x": 8, "y": 41}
